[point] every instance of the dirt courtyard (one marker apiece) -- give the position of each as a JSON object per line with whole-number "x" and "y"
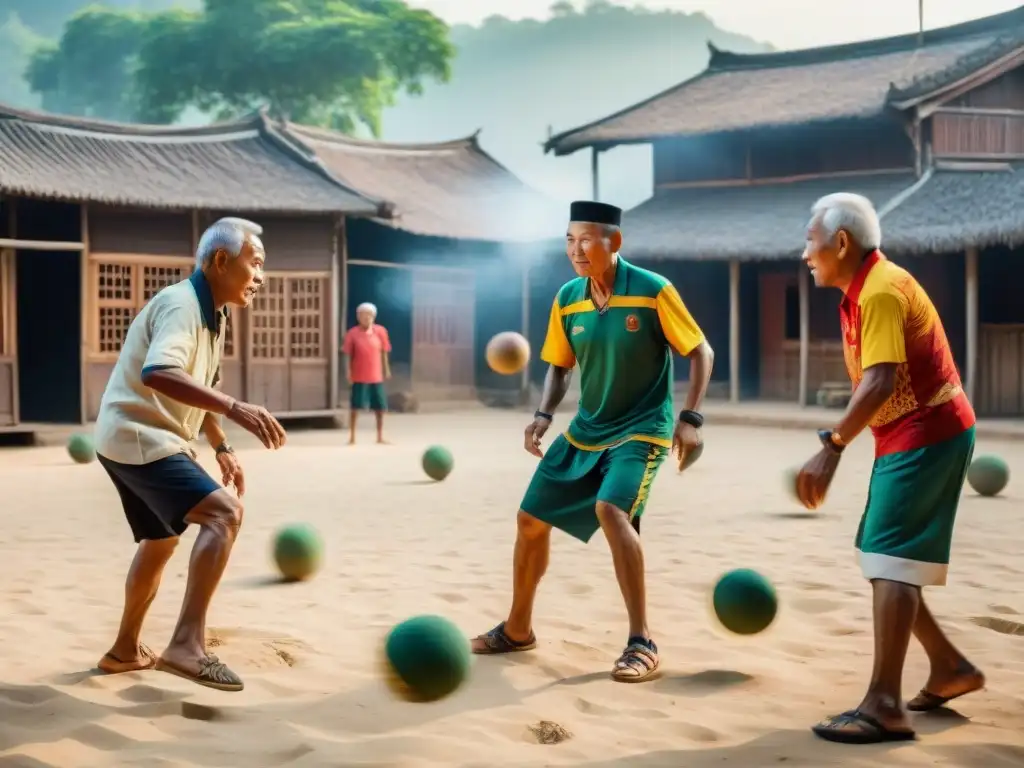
{"x": 398, "y": 544}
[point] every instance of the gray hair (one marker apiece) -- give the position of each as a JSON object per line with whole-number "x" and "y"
{"x": 367, "y": 307}
{"x": 228, "y": 234}
{"x": 853, "y": 213}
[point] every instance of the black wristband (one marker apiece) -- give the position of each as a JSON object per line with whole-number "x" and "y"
{"x": 542, "y": 415}
{"x": 825, "y": 435}
{"x": 693, "y": 418}
{"x": 223, "y": 448}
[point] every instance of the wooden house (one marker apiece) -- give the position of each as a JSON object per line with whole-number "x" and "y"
{"x": 455, "y": 261}
{"x": 96, "y": 217}
{"x": 930, "y": 127}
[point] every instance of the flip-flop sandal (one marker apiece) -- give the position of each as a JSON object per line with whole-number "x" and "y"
{"x": 497, "y": 642}
{"x": 213, "y": 673}
{"x": 865, "y": 730}
{"x": 129, "y": 665}
{"x": 638, "y": 662}
{"x": 929, "y": 702}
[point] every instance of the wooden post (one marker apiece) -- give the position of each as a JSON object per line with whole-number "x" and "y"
{"x": 195, "y": 232}
{"x": 595, "y": 174}
{"x": 343, "y": 276}
{"x": 971, "y": 283}
{"x": 12, "y": 231}
{"x": 804, "y": 283}
{"x": 85, "y": 289}
{"x": 334, "y": 324}
{"x": 734, "y": 331}
{"x": 525, "y": 384}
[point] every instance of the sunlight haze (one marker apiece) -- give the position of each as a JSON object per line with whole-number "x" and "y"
{"x": 783, "y": 23}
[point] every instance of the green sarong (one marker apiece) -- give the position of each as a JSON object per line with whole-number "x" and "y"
{"x": 907, "y": 528}
{"x": 569, "y": 482}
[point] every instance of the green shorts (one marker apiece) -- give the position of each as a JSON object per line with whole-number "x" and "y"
{"x": 569, "y": 482}
{"x": 369, "y": 396}
{"x": 907, "y": 528}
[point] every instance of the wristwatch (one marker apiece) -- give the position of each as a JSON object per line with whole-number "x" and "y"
{"x": 693, "y": 418}
{"x": 832, "y": 441}
{"x": 223, "y": 448}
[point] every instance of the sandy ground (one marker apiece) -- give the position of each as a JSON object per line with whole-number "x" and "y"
{"x": 398, "y": 545}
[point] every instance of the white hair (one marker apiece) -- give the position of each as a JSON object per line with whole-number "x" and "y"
{"x": 228, "y": 234}
{"x": 853, "y": 213}
{"x": 367, "y": 307}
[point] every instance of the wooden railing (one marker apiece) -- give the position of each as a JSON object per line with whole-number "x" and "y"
{"x": 961, "y": 132}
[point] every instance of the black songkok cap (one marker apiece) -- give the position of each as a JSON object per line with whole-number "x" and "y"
{"x": 595, "y": 213}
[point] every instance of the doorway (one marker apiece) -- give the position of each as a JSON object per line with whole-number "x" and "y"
{"x": 49, "y": 317}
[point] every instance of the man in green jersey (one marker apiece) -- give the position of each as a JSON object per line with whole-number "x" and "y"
{"x": 619, "y": 323}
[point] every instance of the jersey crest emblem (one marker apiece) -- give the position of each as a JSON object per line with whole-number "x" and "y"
{"x": 577, "y": 329}
{"x": 632, "y": 323}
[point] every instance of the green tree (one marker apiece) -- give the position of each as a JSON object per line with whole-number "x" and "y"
{"x": 90, "y": 71}
{"x": 325, "y": 62}
{"x": 17, "y": 42}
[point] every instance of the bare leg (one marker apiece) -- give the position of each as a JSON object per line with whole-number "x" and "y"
{"x": 380, "y": 425}
{"x": 529, "y": 562}
{"x": 353, "y": 415}
{"x": 952, "y": 675}
{"x": 895, "y": 612}
{"x": 127, "y": 654}
{"x": 219, "y": 516}
{"x": 628, "y": 558}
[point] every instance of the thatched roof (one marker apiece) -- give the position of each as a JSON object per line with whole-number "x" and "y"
{"x": 750, "y": 91}
{"x": 956, "y": 208}
{"x": 244, "y": 166}
{"x": 451, "y": 189}
{"x": 750, "y": 222}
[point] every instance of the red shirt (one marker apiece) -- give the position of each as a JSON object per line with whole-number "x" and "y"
{"x": 366, "y": 350}
{"x": 887, "y": 317}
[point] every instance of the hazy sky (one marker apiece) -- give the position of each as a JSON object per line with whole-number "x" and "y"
{"x": 783, "y": 23}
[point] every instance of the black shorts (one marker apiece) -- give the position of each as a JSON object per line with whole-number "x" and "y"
{"x": 157, "y": 496}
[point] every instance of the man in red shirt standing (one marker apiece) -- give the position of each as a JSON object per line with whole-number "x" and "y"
{"x": 907, "y": 391}
{"x": 366, "y": 349}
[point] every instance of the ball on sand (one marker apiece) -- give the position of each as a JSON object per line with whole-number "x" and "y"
{"x": 298, "y": 551}
{"x": 437, "y": 462}
{"x": 508, "y": 352}
{"x": 81, "y": 449}
{"x": 988, "y": 475}
{"x": 426, "y": 658}
{"x": 745, "y": 602}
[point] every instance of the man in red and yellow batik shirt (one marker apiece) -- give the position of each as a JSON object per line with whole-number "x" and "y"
{"x": 906, "y": 388}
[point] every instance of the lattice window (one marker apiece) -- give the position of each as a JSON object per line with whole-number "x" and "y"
{"x": 123, "y": 286}
{"x": 268, "y": 315}
{"x": 156, "y": 278}
{"x": 229, "y": 336}
{"x": 306, "y": 315}
{"x": 115, "y": 295}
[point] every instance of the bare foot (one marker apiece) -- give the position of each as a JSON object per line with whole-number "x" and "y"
{"x": 945, "y": 685}
{"x": 115, "y": 661}
{"x": 351, "y": 441}
{"x": 382, "y": 441}
{"x": 206, "y": 669}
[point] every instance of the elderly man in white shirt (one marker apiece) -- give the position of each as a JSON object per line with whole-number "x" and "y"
{"x": 160, "y": 396}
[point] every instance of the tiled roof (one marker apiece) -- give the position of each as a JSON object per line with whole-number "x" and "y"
{"x": 750, "y": 222}
{"x": 857, "y": 80}
{"x": 452, "y": 189}
{"x": 958, "y": 208}
{"x": 242, "y": 166}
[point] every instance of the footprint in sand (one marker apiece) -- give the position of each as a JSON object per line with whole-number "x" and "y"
{"x": 1002, "y": 626}
{"x": 815, "y": 605}
{"x": 253, "y": 649}
{"x": 1005, "y": 610}
{"x": 590, "y": 708}
{"x": 452, "y": 597}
